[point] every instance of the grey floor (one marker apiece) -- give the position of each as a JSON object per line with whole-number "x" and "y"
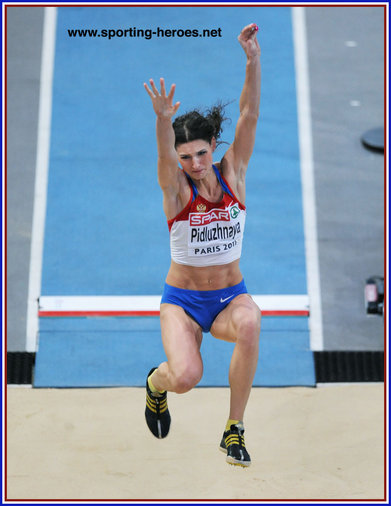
{"x": 24, "y": 44}
{"x": 346, "y": 66}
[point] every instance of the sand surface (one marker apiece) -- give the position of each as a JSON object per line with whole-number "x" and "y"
{"x": 305, "y": 443}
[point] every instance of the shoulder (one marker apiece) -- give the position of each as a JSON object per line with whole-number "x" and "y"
{"x": 176, "y": 198}
{"x": 234, "y": 178}
{"x": 227, "y": 170}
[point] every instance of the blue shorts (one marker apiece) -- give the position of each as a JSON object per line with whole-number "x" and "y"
{"x": 203, "y": 306}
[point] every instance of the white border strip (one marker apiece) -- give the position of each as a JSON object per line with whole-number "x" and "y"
{"x": 307, "y": 176}
{"x": 152, "y": 303}
{"x": 41, "y": 175}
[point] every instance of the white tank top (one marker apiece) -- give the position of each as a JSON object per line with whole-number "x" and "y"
{"x": 208, "y": 233}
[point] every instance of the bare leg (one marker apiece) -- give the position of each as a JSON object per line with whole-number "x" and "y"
{"x": 182, "y": 338}
{"x": 240, "y": 322}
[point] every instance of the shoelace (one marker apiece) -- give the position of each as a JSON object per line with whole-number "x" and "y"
{"x": 157, "y": 404}
{"x": 235, "y": 438}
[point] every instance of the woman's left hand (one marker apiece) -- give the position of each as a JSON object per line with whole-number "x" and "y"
{"x": 248, "y": 40}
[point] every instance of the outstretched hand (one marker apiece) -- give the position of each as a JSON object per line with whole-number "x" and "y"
{"x": 248, "y": 40}
{"x": 162, "y": 103}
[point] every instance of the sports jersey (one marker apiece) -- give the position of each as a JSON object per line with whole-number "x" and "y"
{"x": 208, "y": 233}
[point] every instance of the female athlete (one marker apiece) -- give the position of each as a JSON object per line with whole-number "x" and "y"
{"x": 204, "y": 203}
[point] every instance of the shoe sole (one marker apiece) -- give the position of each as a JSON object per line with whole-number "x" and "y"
{"x": 232, "y": 461}
{"x": 237, "y": 463}
{"x": 156, "y": 427}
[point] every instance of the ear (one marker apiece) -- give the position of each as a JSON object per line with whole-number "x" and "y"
{"x": 213, "y": 143}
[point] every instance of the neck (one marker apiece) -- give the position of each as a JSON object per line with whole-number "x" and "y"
{"x": 209, "y": 186}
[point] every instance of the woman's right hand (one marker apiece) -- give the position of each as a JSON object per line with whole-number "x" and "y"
{"x": 162, "y": 103}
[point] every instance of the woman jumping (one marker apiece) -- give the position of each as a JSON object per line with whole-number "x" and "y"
{"x": 204, "y": 203}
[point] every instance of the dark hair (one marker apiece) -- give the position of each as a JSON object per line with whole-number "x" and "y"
{"x": 195, "y": 125}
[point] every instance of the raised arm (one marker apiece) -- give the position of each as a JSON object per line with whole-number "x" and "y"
{"x": 165, "y": 110}
{"x": 239, "y": 153}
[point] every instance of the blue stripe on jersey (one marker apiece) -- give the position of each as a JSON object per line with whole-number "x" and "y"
{"x": 195, "y": 191}
{"x": 220, "y": 179}
{"x": 224, "y": 186}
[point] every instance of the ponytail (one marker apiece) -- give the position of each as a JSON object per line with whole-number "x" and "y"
{"x": 194, "y": 125}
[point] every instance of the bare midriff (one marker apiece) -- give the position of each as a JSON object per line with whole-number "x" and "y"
{"x": 213, "y": 277}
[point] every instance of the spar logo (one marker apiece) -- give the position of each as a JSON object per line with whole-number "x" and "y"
{"x": 234, "y": 211}
{"x": 197, "y": 220}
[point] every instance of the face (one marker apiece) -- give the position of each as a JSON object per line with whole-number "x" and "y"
{"x": 196, "y": 157}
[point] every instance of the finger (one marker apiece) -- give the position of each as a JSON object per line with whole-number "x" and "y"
{"x": 254, "y": 31}
{"x": 162, "y": 87}
{"x": 154, "y": 89}
{"x": 176, "y": 107}
{"x": 172, "y": 91}
{"x": 249, "y": 30}
{"x": 148, "y": 90}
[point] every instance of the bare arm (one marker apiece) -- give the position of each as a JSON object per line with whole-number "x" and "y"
{"x": 165, "y": 110}
{"x": 238, "y": 155}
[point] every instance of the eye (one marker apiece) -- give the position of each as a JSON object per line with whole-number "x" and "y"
{"x": 203, "y": 152}
{"x": 185, "y": 157}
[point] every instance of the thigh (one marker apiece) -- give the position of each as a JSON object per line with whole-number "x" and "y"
{"x": 242, "y": 310}
{"x": 181, "y": 336}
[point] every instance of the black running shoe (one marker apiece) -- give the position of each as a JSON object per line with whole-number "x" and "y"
{"x": 233, "y": 445}
{"x": 157, "y": 415}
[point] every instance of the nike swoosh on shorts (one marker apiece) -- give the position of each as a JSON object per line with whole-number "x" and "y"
{"x": 223, "y": 300}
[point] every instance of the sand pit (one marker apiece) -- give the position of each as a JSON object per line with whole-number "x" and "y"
{"x": 305, "y": 443}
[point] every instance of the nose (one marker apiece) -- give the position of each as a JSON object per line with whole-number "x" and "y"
{"x": 196, "y": 163}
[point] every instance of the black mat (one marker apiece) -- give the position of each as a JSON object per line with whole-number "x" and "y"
{"x": 330, "y": 367}
{"x": 349, "y": 366}
{"x": 20, "y": 366}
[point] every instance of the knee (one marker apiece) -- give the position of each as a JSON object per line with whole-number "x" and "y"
{"x": 247, "y": 322}
{"x": 187, "y": 378}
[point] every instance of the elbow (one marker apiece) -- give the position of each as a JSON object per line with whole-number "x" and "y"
{"x": 250, "y": 115}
